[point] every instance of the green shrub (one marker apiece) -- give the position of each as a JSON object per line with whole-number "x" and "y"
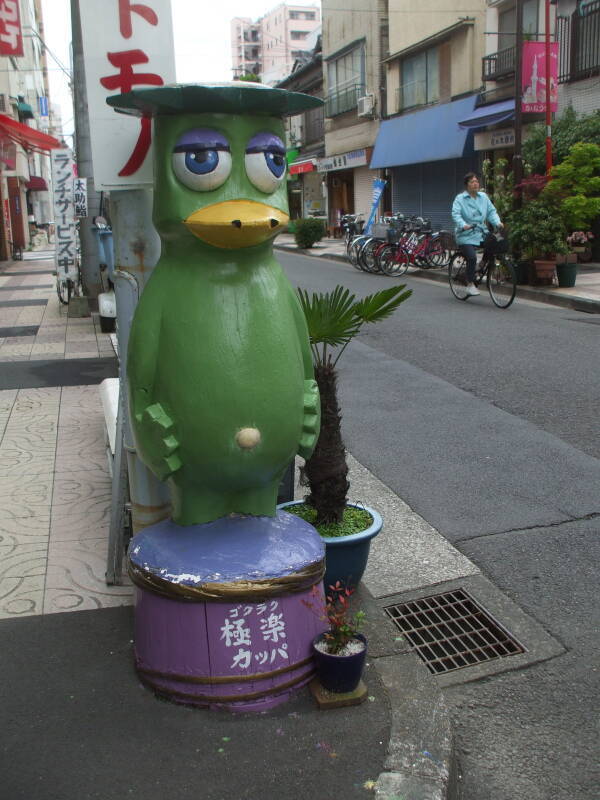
{"x": 576, "y": 185}
{"x": 308, "y": 231}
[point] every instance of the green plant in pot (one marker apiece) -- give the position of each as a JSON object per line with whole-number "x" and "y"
{"x": 538, "y": 234}
{"x": 340, "y": 652}
{"x": 333, "y": 320}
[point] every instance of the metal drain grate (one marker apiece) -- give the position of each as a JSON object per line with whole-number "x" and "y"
{"x": 451, "y": 631}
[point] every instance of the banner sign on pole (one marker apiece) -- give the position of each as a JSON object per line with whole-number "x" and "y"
{"x": 378, "y": 187}
{"x": 11, "y": 36}
{"x": 80, "y": 197}
{"x": 126, "y": 46}
{"x": 533, "y": 80}
{"x": 64, "y": 214}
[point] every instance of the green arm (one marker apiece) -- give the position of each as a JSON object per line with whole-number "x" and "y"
{"x": 153, "y": 428}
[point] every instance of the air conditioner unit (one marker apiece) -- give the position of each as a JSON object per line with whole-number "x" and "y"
{"x": 366, "y": 105}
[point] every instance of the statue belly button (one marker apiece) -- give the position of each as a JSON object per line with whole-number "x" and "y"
{"x": 248, "y": 438}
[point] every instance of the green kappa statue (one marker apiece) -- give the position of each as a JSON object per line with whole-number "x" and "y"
{"x": 221, "y": 387}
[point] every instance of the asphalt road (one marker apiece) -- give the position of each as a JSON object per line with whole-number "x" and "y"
{"x": 486, "y": 422}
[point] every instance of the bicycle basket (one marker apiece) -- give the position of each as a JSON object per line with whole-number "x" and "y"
{"x": 448, "y": 241}
{"x": 379, "y": 231}
{"x": 494, "y": 243}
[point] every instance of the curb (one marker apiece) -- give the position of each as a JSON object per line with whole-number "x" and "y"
{"x": 574, "y": 302}
{"x": 420, "y": 763}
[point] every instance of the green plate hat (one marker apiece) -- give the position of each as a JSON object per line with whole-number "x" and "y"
{"x": 226, "y": 98}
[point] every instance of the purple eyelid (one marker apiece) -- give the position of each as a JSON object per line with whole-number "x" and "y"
{"x": 265, "y": 141}
{"x": 201, "y": 139}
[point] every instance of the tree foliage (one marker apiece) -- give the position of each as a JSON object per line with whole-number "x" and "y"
{"x": 575, "y": 185}
{"x": 567, "y": 130}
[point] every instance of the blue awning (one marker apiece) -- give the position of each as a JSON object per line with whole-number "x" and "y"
{"x": 429, "y": 135}
{"x": 489, "y": 115}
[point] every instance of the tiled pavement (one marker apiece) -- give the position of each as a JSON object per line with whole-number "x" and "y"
{"x": 54, "y": 481}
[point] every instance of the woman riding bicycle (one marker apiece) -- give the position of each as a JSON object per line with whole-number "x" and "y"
{"x": 471, "y": 211}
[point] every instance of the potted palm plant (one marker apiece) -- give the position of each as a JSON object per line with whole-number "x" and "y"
{"x": 333, "y": 320}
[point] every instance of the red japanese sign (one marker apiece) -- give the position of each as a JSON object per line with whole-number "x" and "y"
{"x": 304, "y": 166}
{"x": 11, "y": 37}
{"x": 133, "y": 48}
{"x": 533, "y": 82}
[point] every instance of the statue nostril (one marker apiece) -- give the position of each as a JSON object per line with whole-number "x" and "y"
{"x": 274, "y": 223}
{"x": 237, "y": 223}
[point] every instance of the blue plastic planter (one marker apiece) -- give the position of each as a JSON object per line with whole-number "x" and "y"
{"x": 346, "y": 556}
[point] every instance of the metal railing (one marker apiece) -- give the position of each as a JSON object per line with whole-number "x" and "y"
{"x": 579, "y": 44}
{"x": 343, "y": 100}
{"x": 414, "y": 93}
{"x": 499, "y": 65}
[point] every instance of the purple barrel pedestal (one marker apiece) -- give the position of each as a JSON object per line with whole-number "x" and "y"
{"x": 226, "y": 611}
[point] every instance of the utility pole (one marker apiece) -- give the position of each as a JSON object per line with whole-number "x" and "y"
{"x": 548, "y": 112}
{"x": 90, "y": 269}
{"x": 518, "y": 156}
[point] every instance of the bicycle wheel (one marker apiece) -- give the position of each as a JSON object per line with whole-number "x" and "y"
{"x": 393, "y": 260}
{"x": 501, "y": 281}
{"x": 437, "y": 255}
{"x": 457, "y": 276}
{"x": 368, "y": 255}
{"x": 354, "y": 250}
{"x": 63, "y": 290}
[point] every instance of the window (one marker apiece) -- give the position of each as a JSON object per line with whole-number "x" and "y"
{"x": 303, "y": 15}
{"x": 345, "y": 81}
{"x": 420, "y": 82}
{"x": 507, "y": 23}
{"x": 298, "y": 34}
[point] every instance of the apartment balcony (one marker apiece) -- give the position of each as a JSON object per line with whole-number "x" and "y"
{"x": 343, "y": 100}
{"x": 579, "y": 44}
{"x": 500, "y": 65}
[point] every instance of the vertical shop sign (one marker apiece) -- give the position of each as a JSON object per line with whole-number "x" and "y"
{"x": 378, "y": 187}
{"x": 64, "y": 213}
{"x": 533, "y": 77}
{"x": 11, "y": 36}
{"x": 126, "y": 46}
{"x": 80, "y": 197}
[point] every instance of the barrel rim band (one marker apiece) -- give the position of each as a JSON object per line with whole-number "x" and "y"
{"x": 256, "y": 676}
{"x": 231, "y": 592}
{"x": 231, "y": 698}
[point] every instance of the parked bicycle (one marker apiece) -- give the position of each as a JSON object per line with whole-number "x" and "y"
{"x": 495, "y": 265}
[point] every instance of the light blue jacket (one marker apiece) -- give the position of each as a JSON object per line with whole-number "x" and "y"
{"x": 467, "y": 210}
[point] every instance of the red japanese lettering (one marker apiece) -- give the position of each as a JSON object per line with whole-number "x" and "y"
{"x": 127, "y": 78}
{"x": 140, "y": 151}
{"x": 125, "y": 11}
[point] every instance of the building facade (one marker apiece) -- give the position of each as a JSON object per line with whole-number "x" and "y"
{"x": 432, "y": 81}
{"x": 24, "y": 141}
{"x": 355, "y": 40}
{"x": 269, "y": 46}
{"x": 578, "y": 34}
{"x": 306, "y": 138}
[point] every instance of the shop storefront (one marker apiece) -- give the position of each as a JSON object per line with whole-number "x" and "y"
{"x": 306, "y": 190}
{"x": 425, "y": 155}
{"x": 349, "y": 183}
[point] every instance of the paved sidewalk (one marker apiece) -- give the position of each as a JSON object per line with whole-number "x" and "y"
{"x": 584, "y": 296}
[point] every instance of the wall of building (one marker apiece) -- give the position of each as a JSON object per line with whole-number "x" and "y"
{"x": 412, "y": 23}
{"x": 357, "y": 20}
{"x": 583, "y": 95}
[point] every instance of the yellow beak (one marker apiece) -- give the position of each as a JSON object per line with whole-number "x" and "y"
{"x": 236, "y": 223}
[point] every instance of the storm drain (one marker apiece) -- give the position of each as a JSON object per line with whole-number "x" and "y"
{"x": 451, "y": 631}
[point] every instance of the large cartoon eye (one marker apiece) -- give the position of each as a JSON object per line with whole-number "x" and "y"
{"x": 265, "y": 161}
{"x": 202, "y": 159}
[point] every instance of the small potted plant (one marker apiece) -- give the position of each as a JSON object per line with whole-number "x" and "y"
{"x": 340, "y": 652}
{"x": 579, "y": 242}
{"x": 333, "y": 320}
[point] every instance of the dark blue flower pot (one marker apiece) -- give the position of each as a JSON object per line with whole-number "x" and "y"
{"x": 346, "y": 556}
{"x": 339, "y": 673}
